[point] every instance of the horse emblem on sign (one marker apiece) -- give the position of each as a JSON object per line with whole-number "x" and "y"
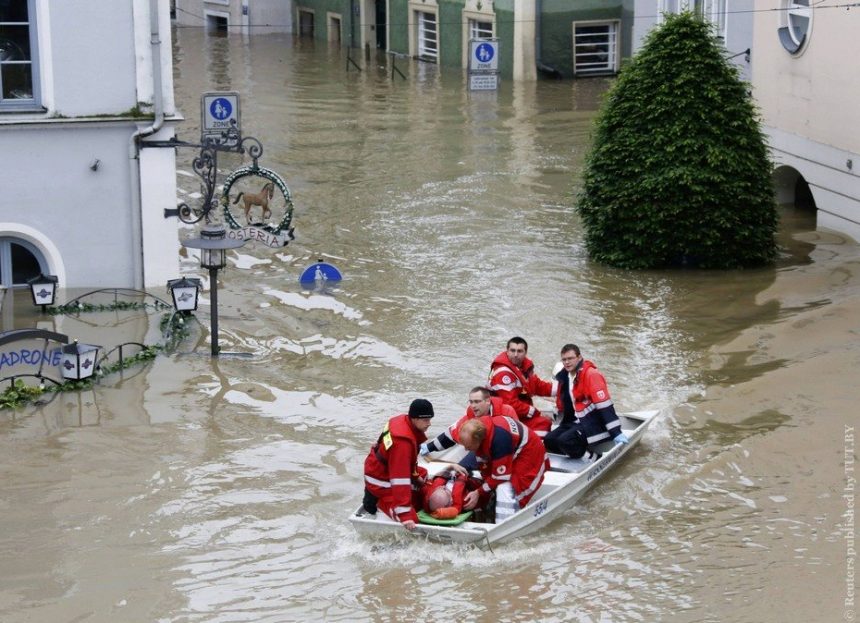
{"x": 257, "y": 206}
{"x": 249, "y": 200}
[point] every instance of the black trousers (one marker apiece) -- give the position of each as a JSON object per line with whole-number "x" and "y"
{"x": 369, "y": 502}
{"x": 569, "y": 440}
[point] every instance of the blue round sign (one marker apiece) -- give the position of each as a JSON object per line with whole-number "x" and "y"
{"x": 320, "y": 273}
{"x": 484, "y": 53}
{"x": 221, "y": 109}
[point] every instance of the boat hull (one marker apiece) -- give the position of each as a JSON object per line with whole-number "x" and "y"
{"x": 566, "y": 482}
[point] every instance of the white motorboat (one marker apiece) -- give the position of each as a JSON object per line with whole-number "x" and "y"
{"x": 565, "y": 483}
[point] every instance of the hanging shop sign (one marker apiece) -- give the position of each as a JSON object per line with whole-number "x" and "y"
{"x": 31, "y": 352}
{"x": 257, "y": 206}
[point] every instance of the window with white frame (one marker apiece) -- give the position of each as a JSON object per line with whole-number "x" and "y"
{"x": 795, "y": 24}
{"x": 668, "y": 6}
{"x": 712, "y": 10}
{"x": 715, "y": 12}
{"x": 18, "y": 66}
{"x": 480, "y": 30}
{"x": 595, "y": 47}
{"x": 428, "y": 42}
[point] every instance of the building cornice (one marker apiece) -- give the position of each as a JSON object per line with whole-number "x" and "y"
{"x": 28, "y": 121}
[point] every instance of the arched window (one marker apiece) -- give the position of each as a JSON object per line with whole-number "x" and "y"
{"x": 19, "y": 261}
{"x": 795, "y": 24}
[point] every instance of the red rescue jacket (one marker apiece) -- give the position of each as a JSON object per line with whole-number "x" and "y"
{"x": 391, "y": 467}
{"x": 512, "y": 453}
{"x": 589, "y": 390}
{"x": 516, "y": 385}
{"x": 592, "y": 404}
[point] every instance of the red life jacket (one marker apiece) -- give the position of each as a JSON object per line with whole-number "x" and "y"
{"x": 589, "y": 390}
{"x": 516, "y": 386}
{"x": 521, "y": 373}
{"x": 388, "y": 473}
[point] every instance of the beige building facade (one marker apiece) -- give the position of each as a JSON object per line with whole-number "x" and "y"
{"x": 809, "y": 92}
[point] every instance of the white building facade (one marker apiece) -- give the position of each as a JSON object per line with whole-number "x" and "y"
{"x": 81, "y": 85}
{"x": 732, "y": 21}
{"x": 807, "y": 96}
{"x": 248, "y": 17}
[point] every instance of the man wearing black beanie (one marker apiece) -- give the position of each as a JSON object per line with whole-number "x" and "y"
{"x": 392, "y": 477}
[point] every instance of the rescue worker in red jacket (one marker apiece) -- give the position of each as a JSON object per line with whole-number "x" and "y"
{"x": 392, "y": 478}
{"x": 512, "y": 378}
{"x": 588, "y": 414}
{"x": 512, "y": 460}
{"x": 480, "y": 404}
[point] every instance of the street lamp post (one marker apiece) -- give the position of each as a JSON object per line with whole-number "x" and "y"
{"x": 213, "y": 244}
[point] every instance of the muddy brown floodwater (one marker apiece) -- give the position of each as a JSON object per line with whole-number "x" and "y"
{"x": 218, "y": 490}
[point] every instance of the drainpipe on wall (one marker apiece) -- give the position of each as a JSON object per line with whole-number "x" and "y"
{"x": 544, "y": 69}
{"x": 133, "y": 148}
{"x": 246, "y": 18}
{"x": 352, "y": 23}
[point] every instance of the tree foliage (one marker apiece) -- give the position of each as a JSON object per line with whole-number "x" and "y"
{"x": 679, "y": 172}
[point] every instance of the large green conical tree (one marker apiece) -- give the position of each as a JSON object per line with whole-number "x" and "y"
{"x": 679, "y": 172}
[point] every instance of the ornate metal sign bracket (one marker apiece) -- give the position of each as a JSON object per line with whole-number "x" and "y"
{"x": 205, "y": 165}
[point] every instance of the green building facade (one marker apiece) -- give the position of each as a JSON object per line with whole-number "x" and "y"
{"x": 559, "y": 38}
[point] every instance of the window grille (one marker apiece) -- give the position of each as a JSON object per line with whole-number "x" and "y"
{"x": 428, "y": 44}
{"x": 595, "y": 48}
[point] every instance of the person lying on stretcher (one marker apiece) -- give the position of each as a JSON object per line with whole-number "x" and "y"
{"x": 443, "y": 495}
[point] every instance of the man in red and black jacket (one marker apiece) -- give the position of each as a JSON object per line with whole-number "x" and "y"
{"x": 588, "y": 413}
{"x": 513, "y": 379}
{"x": 392, "y": 478}
{"x": 512, "y": 460}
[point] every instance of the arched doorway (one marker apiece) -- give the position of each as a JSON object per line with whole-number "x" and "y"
{"x": 19, "y": 261}
{"x": 795, "y": 197}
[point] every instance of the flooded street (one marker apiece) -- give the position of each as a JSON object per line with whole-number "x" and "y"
{"x": 197, "y": 490}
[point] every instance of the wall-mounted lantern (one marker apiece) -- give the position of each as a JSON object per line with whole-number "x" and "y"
{"x": 44, "y": 289}
{"x": 185, "y": 292}
{"x": 79, "y": 361}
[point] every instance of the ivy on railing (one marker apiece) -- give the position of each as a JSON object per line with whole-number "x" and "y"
{"x": 18, "y": 393}
{"x": 79, "y": 307}
{"x": 131, "y": 302}
{"x": 173, "y": 328}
